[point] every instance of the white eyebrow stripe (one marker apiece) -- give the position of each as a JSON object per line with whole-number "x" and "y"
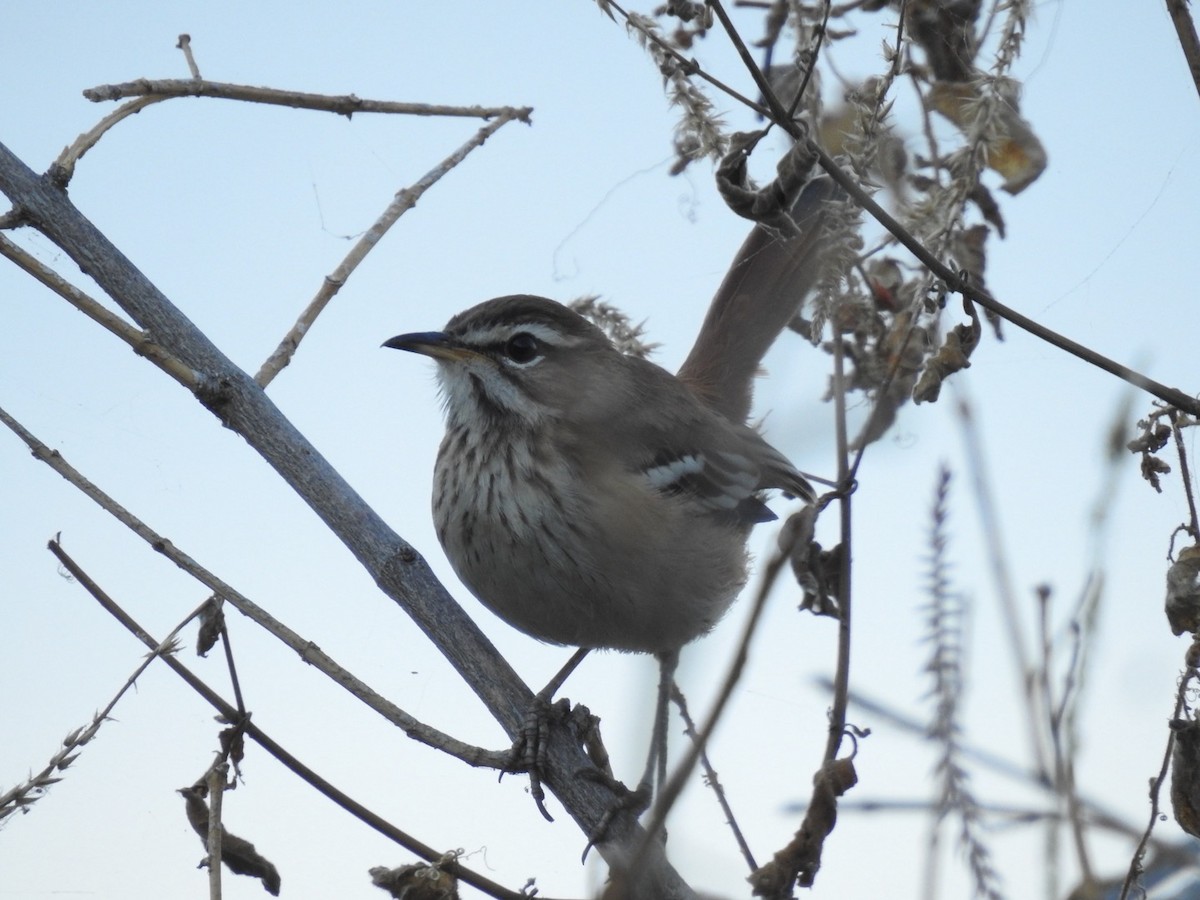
{"x": 498, "y": 334}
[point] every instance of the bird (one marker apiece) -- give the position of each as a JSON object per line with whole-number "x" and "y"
{"x": 589, "y": 497}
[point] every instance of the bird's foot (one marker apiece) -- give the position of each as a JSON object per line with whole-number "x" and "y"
{"x": 528, "y": 753}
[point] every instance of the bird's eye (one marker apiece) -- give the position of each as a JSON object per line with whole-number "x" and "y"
{"x": 522, "y": 348}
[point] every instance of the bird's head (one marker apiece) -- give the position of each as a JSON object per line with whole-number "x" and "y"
{"x": 519, "y": 356}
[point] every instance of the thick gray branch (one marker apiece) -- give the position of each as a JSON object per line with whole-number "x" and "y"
{"x": 401, "y": 572}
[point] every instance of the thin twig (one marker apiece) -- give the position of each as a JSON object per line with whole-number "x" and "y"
{"x": 775, "y": 110}
{"x": 28, "y": 792}
{"x": 1185, "y": 474}
{"x": 710, "y": 775}
{"x": 960, "y": 285}
{"x": 63, "y": 168}
{"x": 994, "y": 547}
{"x": 139, "y": 341}
{"x": 147, "y": 92}
{"x": 185, "y": 44}
{"x": 812, "y": 62}
{"x": 234, "y": 681}
{"x": 1062, "y": 713}
{"x": 1096, "y": 813}
{"x": 405, "y": 200}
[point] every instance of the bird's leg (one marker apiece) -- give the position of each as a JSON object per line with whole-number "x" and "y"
{"x": 563, "y": 674}
{"x": 528, "y": 752}
{"x": 656, "y": 760}
{"x": 655, "y": 774}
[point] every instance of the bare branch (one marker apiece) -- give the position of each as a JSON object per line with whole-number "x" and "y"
{"x": 710, "y": 777}
{"x": 343, "y": 105}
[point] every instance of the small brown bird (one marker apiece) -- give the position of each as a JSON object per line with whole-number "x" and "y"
{"x": 587, "y": 497}
{"x": 591, "y": 498}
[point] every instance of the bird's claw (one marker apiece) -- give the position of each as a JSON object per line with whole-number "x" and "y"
{"x": 528, "y": 753}
{"x": 636, "y": 801}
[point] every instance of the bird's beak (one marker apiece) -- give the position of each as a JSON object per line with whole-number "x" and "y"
{"x": 430, "y": 343}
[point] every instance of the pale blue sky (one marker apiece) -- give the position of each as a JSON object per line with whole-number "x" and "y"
{"x": 238, "y": 212}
